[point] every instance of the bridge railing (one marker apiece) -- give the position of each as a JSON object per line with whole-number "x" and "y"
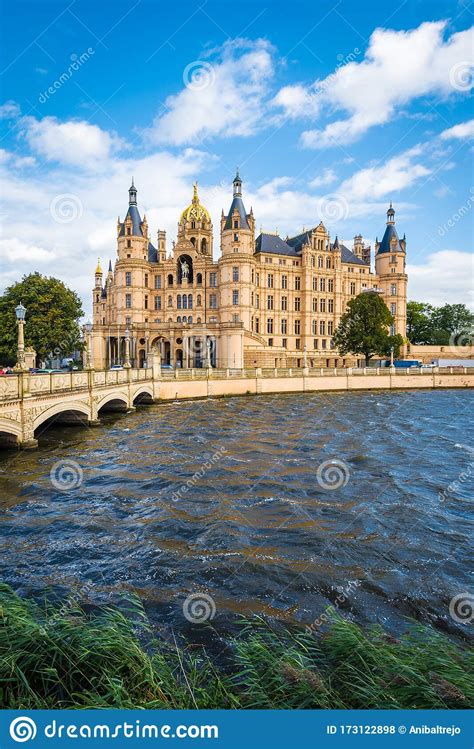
{"x": 15, "y": 386}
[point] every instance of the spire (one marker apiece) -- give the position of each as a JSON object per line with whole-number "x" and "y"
{"x": 195, "y": 193}
{"x": 98, "y": 270}
{"x": 391, "y": 215}
{"x": 336, "y": 243}
{"x": 237, "y": 184}
{"x": 132, "y": 194}
{"x": 110, "y": 266}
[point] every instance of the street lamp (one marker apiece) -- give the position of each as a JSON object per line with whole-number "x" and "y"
{"x": 20, "y": 312}
{"x": 391, "y": 355}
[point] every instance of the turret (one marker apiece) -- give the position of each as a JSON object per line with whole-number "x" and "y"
{"x": 98, "y": 275}
{"x": 238, "y": 227}
{"x": 132, "y": 237}
{"x": 390, "y": 260}
{"x": 195, "y": 225}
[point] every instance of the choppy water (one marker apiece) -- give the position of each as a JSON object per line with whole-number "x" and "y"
{"x": 255, "y": 530}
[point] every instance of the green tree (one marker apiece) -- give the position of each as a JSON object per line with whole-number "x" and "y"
{"x": 452, "y": 321}
{"x": 52, "y": 318}
{"x": 363, "y": 328}
{"x": 419, "y": 322}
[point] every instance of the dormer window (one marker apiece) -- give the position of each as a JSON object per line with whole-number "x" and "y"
{"x": 236, "y": 223}
{"x": 236, "y": 237}
{"x": 129, "y": 230}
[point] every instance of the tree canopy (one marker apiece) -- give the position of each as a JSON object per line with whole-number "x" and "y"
{"x": 363, "y": 328}
{"x": 439, "y": 325}
{"x": 52, "y": 318}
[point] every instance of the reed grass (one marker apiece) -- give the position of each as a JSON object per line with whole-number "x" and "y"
{"x": 56, "y": 658}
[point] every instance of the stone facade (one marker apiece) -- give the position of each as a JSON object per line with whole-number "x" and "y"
{"x": 266, "y": 301}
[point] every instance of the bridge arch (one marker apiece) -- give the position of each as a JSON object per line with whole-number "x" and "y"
{"x": 144, "y": 395}
{"x": 114, "y": 402}
{"x": 10, "y": 432}
{"x": 77, "y": 410}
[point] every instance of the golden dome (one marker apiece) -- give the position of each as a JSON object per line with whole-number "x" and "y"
{"x": 195, "y": 211}
{"x": 98, "y": 269}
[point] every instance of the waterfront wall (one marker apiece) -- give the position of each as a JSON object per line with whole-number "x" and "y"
{"x": 186, "y": 386}
{"x": 29, "y": 401}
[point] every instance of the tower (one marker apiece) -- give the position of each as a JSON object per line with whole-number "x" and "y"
{"x": 390, "y": 262}
{"x": 132, "y": 234}
{"x": 238, "y": 227}
{"x": 195, "y": 225}
{"x": 237, "y": 261}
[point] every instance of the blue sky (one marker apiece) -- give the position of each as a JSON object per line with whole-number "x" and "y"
{"x": 331, "y": 110}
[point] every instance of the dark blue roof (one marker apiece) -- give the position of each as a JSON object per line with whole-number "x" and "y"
{"x": 298, "y": 241}
{"x": 152, "y": 253}
{"x": 136, "y": 222}
{"x": 273, "y": 244}
{"x": 386, "y": 243}
{"x": 347, "y": 256}
{"x": 239, "y": 204}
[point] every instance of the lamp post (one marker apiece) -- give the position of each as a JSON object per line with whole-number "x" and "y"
{"x": 88, "y": 331}
{"x": 20, "y": 312}
{"x": 126, "y": 363}
{"x": 391, "y": 356}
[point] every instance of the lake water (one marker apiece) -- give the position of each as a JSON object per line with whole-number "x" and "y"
{"x": 223, "y": 498}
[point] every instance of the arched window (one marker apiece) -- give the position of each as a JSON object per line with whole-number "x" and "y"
{"x": 190, "y": 301}
{"x": 185, "y": 319}
{"x": 190, "y": 319}
{"x": 96, "y": 297}
{"x": 328, "y": 262}
{"x": 185, "y": 301}
{"x": 193, "y": 241}
{"x": 179, "y": 301}
{"x": 170, "y": 301}
{"x": 170, "y": 279}
{"x": 178, "y": 319}
{"x": 320, "y": 261}
{"x": 198, "y": 303}
{"x": 199, "y": 279}
{"x": 204, "y": 245}
{"x": 199, "y": 319}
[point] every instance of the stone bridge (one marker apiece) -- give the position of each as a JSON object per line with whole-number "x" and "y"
{"x": 30, "y": 401}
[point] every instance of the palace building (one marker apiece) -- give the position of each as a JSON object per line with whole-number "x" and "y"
{"x": 266, "y": 302}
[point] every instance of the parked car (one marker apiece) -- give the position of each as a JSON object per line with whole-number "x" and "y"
{"x": 116, "y": 366}
{"x": 167, "y": 366}
{"x": 37, "y": 370}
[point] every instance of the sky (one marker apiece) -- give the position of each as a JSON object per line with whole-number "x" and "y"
{"x": 330, "y": 109}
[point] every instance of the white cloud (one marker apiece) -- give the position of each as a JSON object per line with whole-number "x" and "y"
{"x": 461, "y": 131}
{"x": 399, "y": 66}
{"x": 223, "y": 97}
{"x": 13, "y": 250}
{"x": 9, "y": 111}
{"x": 326, "y": 178}
{"x": 392, "y": 176}
{"x": 444, "y": 277}
{"x": 75, "y": 143}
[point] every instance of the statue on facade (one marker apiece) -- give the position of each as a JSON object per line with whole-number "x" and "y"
{"x": 184, "y": 270}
